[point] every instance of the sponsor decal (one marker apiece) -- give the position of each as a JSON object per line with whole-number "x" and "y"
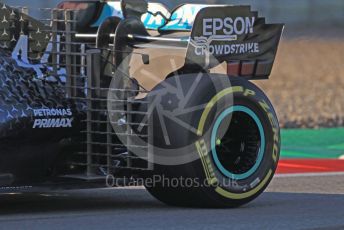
{"x": 228, "y": 26}
{"x": 203, "y": 47}
{"x": 16, "y": 187}
{"x": 255, "y": 185}
{"x": 52, "y": 118}
{"x": 275, "y": 129}
{"x": 216, "y": 32}
{"x": 206, "y": 162}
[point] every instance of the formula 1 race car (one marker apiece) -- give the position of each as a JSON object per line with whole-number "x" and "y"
{"x": 120, "y": 93}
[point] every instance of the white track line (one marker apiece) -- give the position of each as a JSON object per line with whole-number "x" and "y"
{"x": 341, "y": 157}
{"x": 288, "y": 175}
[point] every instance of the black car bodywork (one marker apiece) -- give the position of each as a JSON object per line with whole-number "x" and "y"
{"x": 54, "y": 125}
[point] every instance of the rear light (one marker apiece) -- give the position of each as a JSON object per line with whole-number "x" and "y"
{"x": 252, "y": 69}
{"x": 264, "y": 68}
{"x": 233, "y": 68}
{"x": 247, "y": 68}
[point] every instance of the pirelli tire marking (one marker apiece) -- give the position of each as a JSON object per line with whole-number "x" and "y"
{"x": 203, "y": 152}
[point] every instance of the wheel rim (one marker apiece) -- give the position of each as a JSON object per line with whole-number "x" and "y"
{"x": 238, "y": 148}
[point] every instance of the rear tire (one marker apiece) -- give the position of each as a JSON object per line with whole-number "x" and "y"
{"x": 236, "y": 161}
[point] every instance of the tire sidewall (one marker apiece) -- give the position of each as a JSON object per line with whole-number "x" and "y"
{"x": 214, "y": 184}
{"x": 209, "y": 187}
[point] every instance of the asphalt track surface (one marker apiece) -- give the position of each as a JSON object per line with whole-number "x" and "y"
{"x": 291, "y": 202}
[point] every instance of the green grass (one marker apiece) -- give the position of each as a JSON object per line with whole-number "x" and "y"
{"x": 312, "y": 143}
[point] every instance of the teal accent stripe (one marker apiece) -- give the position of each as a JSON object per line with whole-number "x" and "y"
{"x": 262, "y": 144}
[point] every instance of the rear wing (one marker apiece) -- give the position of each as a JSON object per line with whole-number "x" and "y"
{"x": 211, "y": 35}
{"x": 235, "y": 35}
{"x": 214, "y": 34}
